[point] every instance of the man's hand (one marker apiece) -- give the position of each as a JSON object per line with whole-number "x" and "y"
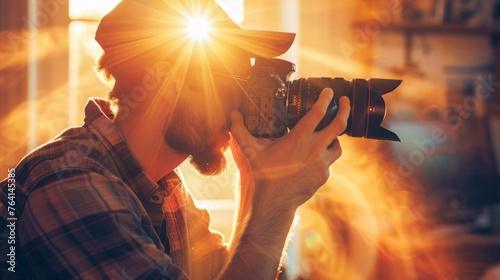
{"x": 277, "y": 177}
{"x": 289, "y": 170}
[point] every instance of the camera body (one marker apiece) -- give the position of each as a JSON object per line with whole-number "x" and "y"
{"x": 275, "y": 104}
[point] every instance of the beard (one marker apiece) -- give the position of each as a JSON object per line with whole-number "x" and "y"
{"x": 209, "y": 163}
{"x": 190, "y": 135}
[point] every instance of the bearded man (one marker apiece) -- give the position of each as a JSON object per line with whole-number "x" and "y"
{"x": 105, "y": 200}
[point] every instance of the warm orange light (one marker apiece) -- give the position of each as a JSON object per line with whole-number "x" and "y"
{"x": 360, "y": 226}
{"x": 90, "y": 9}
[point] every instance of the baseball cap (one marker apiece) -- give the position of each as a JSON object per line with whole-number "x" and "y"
{"x": 154, "y": 29}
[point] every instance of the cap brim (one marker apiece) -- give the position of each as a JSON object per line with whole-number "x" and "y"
{"x": 263, "y": 43}
{"x": 136, "y": 30}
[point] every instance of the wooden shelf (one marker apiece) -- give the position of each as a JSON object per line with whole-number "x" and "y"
{"x": 410, "y": 29}
{"x": 459, "y": 29}
{"x": 429, "y": 27}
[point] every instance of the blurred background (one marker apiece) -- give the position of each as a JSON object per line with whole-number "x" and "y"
{"x": 423, "y": 208}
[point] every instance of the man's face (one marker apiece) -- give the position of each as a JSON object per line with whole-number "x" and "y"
{"x": 199, "y": 125}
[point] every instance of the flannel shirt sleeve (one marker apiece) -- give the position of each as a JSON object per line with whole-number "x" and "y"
{"x": 208, "y": 250}
{"x": 91, "y": 226}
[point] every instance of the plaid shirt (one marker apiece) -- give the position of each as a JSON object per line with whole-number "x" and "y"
{"x": 85, "y": 209}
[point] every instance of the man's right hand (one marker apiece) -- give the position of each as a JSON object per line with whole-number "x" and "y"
{"x": 290, "y": 169}
{"x": 277, "y": 177}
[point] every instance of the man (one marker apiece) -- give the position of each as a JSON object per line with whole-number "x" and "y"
{"x": 105, "y": 200}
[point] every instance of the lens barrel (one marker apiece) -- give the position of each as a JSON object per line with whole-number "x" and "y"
{"x": 367, "y": 105}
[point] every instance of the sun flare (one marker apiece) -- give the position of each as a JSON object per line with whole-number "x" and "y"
{"x": 198, "y": 27}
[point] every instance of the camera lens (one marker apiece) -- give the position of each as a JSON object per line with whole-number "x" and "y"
{"x": 273, "y": 107}
{"x": 367, "y": 105}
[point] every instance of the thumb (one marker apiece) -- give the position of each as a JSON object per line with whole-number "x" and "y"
{"x": 238, "y": 130}
{"x": 242, "y": 141}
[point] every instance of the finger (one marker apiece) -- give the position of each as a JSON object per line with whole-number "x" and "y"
{"x": 311, "y": 120}
{"x": 246, "y": 143}
{"x": 329, "y": 156}
{"x": 238, "y": 130}
{"x": 236, "y": 151}
{"x": 338, "y": 125}
{"x": 233, "y": 145}
{"x": 334, "y": 143}
{"x": 334, "y": 151}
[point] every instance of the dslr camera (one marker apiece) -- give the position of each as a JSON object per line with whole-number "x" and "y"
{"x": 275, "y": 104}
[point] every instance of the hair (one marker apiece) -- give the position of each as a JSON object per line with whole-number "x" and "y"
{"x": 104, "y": 70}
{"x": 110, "y": 73}
{"x": 107, "y": 74}
{"x": 124, "y": 77}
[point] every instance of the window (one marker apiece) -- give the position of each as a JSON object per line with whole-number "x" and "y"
{"x": 90, "y": 9}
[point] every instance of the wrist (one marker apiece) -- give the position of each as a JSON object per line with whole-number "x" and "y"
{"x": 263, "y": 229}
{"x": 267, "y": 198}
